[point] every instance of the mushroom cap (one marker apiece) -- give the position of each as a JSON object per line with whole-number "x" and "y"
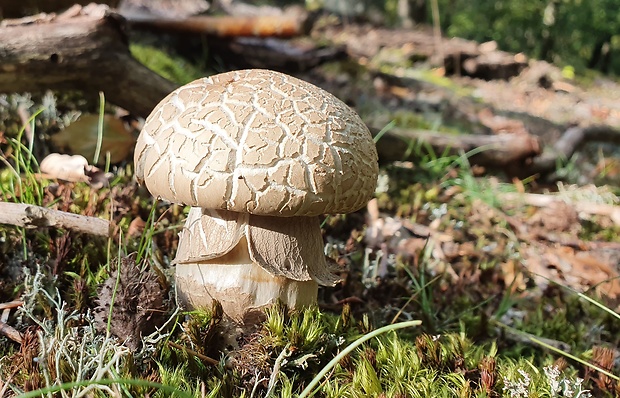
{"x": 260, "y": 142}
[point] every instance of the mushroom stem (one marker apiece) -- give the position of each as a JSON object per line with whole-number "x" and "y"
{"x": 240, "y": 285}
{"x": 247, "y": 262}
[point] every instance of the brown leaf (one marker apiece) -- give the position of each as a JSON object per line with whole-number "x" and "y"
{"x": 73, "y": 168}
{"x": 136, "y": 227}
{"x": 556, "y": 217}
{"x": 513, "y": 277}
{"x": 579, "y": 270}
{"x": 81, "y": 138}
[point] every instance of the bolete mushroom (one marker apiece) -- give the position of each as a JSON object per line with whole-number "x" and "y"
{"x": 259, "y": 155}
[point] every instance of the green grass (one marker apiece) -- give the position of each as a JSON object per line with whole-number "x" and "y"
{"x": 459, "y": 350}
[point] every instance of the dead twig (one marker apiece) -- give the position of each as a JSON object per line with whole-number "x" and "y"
{"x": 11, "y": 304}
{"x": 31, "y": 216}
{"x": 570, "y": 141}
{"x": 198, "y": 355}
{"x": 10, "y": 332}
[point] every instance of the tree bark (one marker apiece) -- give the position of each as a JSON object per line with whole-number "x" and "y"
{"x": 570, "y": 142}
{"x": 22, "y": 8}
{"x": 83, "y": 49}
{"x": 500, "y": 150}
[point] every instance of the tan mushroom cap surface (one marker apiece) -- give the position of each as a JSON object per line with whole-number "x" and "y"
{"x": 260, "y": 142}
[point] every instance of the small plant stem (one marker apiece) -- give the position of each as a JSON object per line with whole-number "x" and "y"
{"x": 146, "y": 238}
{"x": 574, "y": 358}
{"x": 11, "y": 333}
{"x": 596, "y": 303}
{"x": 307, "y": 392}
{"x": 437, "y": 31}
{"x": 116, "y": 285}
{"x": 31, "y": 141}
{"x": 198, "y": 355}
{"x": 11, "y": 304}
{"x": 548, "y": 346}
{"x": 276, "y": 369}
{"x": 384, "y": 130}
{"x": 99, "y": 127}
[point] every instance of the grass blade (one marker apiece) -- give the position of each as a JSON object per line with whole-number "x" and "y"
{"x": 307, "y": 392}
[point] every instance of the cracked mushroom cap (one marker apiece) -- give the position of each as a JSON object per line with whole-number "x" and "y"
{"x": 260, "y": 142}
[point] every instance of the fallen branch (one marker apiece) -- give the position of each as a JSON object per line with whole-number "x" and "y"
{"x": 540, "y": 200}
{"x": 31, "y": 216}
{"x": 17, "y": 9}
{"x": 498, "y": 150}
{"x": 570, "y": 141}
{"x": 227, "y": 26}
{"x": 83, "y": 49}
{"x": 11, "y": 305}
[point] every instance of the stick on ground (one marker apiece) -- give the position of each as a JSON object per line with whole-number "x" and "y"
{"x": 31, "y": 216}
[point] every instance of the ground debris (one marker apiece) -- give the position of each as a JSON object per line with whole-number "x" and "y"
{"x": 139, "y": 302}
{"x": 31, "y": 216}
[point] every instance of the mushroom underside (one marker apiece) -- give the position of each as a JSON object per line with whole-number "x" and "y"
{"x": 247, "y": 262}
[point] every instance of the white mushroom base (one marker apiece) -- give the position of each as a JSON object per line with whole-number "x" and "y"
{"x": 240, "y": 285}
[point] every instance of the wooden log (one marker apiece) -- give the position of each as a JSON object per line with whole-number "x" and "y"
{"x": 570, "y": 142}
{"x": 31, "y": 216}
{"x": 84, "y": 49}
{"x": 227, "y": 26}
{"x": 500, "y": 150}
{"x": 22, "y": 8}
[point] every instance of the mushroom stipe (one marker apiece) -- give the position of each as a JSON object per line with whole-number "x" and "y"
{"x": 258, "y": 155}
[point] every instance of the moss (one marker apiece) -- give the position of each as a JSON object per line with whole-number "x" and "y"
{"x": 167, "y": 65}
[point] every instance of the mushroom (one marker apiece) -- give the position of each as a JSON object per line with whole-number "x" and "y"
{"x": 258, "y": 155}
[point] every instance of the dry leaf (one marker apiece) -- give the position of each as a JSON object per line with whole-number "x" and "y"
{"x": 136, "y": 227}
{"x": 73, "y": 168}
{"x": 81, "y": 138}
{"x": 513, "y": 277}
{"x": 65, "y": 167}
{"x": 577, "y": 270}
{"x": 556, "y": 217}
